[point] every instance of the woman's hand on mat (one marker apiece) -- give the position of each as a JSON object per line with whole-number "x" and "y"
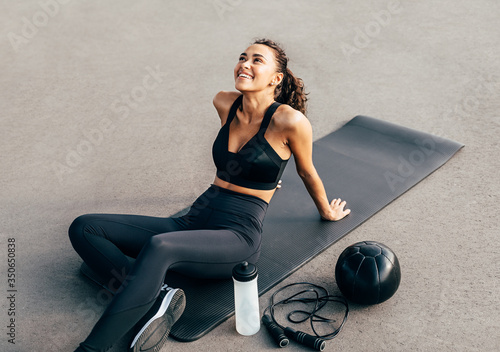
{"x": 337, "y": 210}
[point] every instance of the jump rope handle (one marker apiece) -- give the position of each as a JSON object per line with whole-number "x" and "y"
{"x": 308, "y": 340}
{"x": 276, "y": 332}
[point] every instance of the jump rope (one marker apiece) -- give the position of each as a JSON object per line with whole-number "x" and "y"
{"x": 320, "y": 298}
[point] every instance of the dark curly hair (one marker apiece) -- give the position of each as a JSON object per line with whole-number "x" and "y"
{"x": 291, "y": 89}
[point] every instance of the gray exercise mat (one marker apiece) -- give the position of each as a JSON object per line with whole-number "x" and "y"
{"x": 368, "y": 162}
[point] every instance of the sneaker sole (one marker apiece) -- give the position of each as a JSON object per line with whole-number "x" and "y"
{"x": 169, "y": 312}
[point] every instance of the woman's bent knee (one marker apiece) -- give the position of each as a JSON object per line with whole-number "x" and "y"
{"x": 158, "y": 243}
{"x": 77, "y": 228}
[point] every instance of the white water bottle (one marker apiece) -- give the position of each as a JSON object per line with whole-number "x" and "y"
{"x": 246, "y": 299}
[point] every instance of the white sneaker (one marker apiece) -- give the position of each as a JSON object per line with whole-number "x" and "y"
{"x": 159, "y": 320}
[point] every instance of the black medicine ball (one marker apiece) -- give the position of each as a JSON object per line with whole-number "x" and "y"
{"x": 368, "y": 272}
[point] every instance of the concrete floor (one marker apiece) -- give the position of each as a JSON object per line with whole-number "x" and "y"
{"x": 107, "y": 107}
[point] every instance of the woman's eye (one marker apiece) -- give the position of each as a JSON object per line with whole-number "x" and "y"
{"x": 242, "y": 58}
{"x": 257, "y": 60}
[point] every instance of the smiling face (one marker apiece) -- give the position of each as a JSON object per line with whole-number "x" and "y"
{"x": 256, "y": 69}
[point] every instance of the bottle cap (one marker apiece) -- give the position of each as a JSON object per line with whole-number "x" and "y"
{"x": 244, "y": 272}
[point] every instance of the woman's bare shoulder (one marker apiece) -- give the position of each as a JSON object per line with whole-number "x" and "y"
{"x": 223, "y": 102}
{"x": 287, "y": 118}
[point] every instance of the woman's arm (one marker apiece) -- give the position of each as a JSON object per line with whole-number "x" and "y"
{"x": 300, "y": 142}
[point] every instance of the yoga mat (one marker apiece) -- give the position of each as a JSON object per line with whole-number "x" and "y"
{"x": 368, "y": 162}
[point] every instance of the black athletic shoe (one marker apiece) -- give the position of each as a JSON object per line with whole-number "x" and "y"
{"x": 167, "y": 309}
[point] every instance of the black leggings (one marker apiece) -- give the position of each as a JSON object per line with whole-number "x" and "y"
{"x": 221, "y": 229}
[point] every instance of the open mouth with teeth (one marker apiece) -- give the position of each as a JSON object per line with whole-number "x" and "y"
{"x": 244, "y": 76}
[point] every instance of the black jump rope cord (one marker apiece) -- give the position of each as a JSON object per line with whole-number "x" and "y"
{"x": 281, "y": 334}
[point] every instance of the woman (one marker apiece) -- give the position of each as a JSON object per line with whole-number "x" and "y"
{"x": 263, "y": 124}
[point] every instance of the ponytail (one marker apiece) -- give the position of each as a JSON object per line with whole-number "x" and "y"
{"x": 291, "y": 89}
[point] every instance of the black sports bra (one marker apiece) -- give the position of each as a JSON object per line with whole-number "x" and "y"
{"x": 256, "y": 165}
